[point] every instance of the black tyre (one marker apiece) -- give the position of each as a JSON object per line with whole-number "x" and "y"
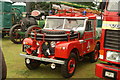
{"x": 2, "y": 36}
{"x": 15, "y": 37}
{"x": 3, "y": 66}
{"x": 53, "y": 32}
{"x": 95, "y": 54}
{"x": 32, "y": 28}
{"x": 69, "y": 67}
{"x": 32, "y": 64}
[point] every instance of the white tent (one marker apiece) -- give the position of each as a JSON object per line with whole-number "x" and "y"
{"x": 19, "y": 3}
{"x": 6, "y": 1}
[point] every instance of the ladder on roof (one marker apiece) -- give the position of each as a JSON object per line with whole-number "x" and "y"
{"x": 80, "y": 8}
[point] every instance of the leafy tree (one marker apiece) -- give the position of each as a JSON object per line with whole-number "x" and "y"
{"x": 40, "y": 6}
{"x": 86, "y": 3}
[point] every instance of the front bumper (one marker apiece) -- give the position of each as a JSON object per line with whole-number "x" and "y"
{"x": 43, "y": 59}
{"x": 107, "y": 71}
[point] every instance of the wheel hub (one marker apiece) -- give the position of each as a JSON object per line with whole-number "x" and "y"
{"x": 71, "y": 65}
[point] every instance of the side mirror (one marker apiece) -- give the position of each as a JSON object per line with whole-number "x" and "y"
{"x": 102, "y": 5}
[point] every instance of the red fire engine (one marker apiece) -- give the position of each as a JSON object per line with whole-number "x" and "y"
{"x": 66, "y": 38}
{"x": 110, "y": 42}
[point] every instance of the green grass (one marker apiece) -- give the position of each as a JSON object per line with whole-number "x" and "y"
{"x": 17, "y": 69}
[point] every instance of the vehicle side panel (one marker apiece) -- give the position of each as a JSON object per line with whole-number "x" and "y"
{"x": 69, "y": 46}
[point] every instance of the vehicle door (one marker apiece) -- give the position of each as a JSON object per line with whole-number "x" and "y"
{"x": 88, "y": 36}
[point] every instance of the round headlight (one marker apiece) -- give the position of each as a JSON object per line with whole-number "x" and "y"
{"x": 53, "y": 43}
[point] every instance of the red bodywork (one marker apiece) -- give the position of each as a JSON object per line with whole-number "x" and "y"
{"x": 29, "y": 41}
{"x": 101, "y": 68}
{"x": 109, "y": 16}
{"x": 69, "y": 46}
{"x": 82, "y": 47}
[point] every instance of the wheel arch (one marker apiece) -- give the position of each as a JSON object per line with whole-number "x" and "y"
{"x": 76, "y": 52}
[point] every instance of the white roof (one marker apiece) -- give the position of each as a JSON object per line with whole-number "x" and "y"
{"x": 6, "y": 1}
{"x": 20, "y": 3}
{"x": 67, "y": 17}
{"x": 99, "y": 17}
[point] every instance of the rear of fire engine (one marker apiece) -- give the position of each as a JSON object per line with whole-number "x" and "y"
{"x": 110, "y": 42}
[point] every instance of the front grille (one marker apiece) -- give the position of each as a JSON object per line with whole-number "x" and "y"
{"x": 112, "y": 39}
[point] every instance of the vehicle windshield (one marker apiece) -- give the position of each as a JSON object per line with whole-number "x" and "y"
{"x": 54, "y": 23}
{"x": 73, "y": 23}
{"x": 113, "y": 5}
{"x": 63, "y": 23}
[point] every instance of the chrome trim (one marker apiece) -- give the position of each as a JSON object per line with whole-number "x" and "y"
{"x": 90, "y": 38}
{"x": 82, "y": 41}
{"x": 43, "y": 59}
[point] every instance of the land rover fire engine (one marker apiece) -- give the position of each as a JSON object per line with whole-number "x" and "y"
{"x": 66, "y": 38}
{"x": 110, "y": 42}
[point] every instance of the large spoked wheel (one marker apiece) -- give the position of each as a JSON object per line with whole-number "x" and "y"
{"x": 69, "y": 67}
{"x": 15, "y": 37}
{"x": 95, "y": 54}
{"x": 32, "y": 64}
{"x": 33, "y": 29}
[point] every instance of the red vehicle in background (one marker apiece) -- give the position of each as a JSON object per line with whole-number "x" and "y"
{"x": 110, "y": 42}
{"x": 67, "y": 37}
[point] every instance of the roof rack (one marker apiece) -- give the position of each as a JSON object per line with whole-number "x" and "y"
{"x": 76, "y": 12}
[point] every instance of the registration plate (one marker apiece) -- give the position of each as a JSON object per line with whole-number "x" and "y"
{"x": 109, "y": 74}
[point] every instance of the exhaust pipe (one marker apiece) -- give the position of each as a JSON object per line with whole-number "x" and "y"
{"x": 53, "y": 66}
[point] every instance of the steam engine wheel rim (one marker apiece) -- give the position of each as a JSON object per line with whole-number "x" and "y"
{"x": 33, "y": 29}
{"x": 14, "y": 35}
